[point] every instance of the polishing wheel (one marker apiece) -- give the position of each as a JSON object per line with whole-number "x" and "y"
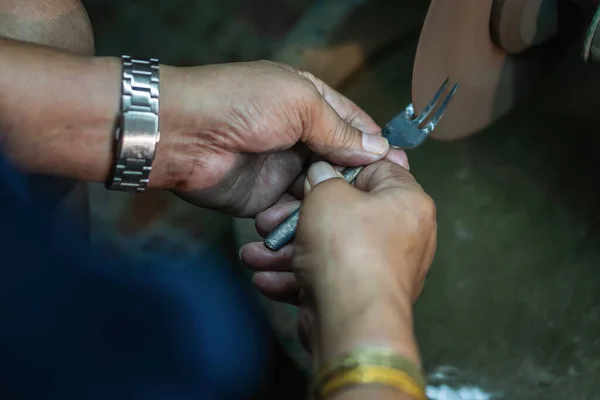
{"x": 591, "y": 44}
{"x": 492, "y": 48}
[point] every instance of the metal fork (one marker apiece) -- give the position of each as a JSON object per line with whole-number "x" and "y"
{"x": 405, "y": 131}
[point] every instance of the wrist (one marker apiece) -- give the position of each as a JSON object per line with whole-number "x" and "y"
{"x": 168, "y": 166}
{"x": 181, "y": 141}
{"x": 73, "y": 135}
{"x": 358, "y": 311}
{"x": 383, "y": 324}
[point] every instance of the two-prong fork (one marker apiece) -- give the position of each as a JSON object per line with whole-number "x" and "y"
{"x": 405, "y": 131}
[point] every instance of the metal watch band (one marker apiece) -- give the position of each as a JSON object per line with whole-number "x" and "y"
{"x": 137, "y": 134}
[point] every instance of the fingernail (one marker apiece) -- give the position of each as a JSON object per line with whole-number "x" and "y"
{"x": 398, "y": 156}
{"x": 320, "y": 172}
{"x": 376, "y": 144}
{"x": 240, "y": 253}
{"x": 307, "y": 187}
{"x": 264, "y": 274}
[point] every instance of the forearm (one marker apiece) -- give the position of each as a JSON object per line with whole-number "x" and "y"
{"x": 62, "y": 24}
{"x": 58, "y": 112}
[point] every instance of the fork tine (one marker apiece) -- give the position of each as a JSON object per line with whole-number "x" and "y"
{"x": 429, "y": 107}
{"x": 440, "y": 112}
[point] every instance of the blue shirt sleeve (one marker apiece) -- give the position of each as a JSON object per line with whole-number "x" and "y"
{"x": 79, "y": 324}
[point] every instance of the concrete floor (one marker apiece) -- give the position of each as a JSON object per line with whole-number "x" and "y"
{"x": 511, "y": 308}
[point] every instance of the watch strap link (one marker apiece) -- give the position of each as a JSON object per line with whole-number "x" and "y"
{"x": 138, "y": 133}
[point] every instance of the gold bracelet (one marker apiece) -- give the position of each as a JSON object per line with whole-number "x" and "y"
{"x": 369, "y": 356}
{"x": 373, "y": 375}
{"x": 382, "y": 356}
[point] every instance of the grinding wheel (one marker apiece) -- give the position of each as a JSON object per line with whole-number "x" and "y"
{"x": 591, "y": 44}
{"x": 491, "y": 48}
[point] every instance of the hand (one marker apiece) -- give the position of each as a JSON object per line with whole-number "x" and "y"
{"x": 359, "y": 258}
{"x": 246, "y": 131}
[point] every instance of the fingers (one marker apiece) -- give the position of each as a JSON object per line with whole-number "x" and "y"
{"x": 327, "y": 134}
{"x": 354, "y": 115}
{"x": 385, "y": 175}
{"x": 274, "y": 277}
{"x": 267, "y": 220}
{"x": 399, "y": 157}
{"x": 339, "y": 131}
{"x": 342, "y": 132}
{"x": 319, "y": 172}
{"x": 343, "y": 106}
{"x": 257, "y": 257}
{"x": 278, "y": 286}
{"x": 296, "y": 189}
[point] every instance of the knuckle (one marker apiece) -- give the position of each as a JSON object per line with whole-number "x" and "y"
{"x": 386, "y": 174}
{"x": 259, "y": 222}
{"x": 428, "y": 205}
{"x": 426, "y": 208}
{"x": 320, "y": 125}
{"x": 305, "y": 89}
{"x": 385, "y": 169}
{"x": 307, "y": 75}
{"x": 266, "y": 62}
{"x": 284, "y": 66}
{"x": 309, "y": 88}
{"x": 340, "y": 137}
{"x": 397, "y": 172}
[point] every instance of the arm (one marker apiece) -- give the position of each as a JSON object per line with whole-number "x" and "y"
{"x": 346, "y": 325}
{"x": 72, "y": 104}
{"x": 223, "y": 128}
{"x": 381, "y": 325}
{"x": 62, "y": 24}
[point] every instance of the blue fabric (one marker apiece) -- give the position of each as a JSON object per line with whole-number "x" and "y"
{"x": 77, "y": 324}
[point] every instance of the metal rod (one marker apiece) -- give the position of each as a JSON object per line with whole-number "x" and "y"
{"x": 285, "y": 232}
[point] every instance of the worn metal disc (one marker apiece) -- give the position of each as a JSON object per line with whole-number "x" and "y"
{"x": 456, "y": 42}
{"x": 591, "y": 44}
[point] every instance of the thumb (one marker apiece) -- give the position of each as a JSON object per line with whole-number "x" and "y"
{"x": 384, "y": 175}
{"x": 317, "y": 173}
{"x": 330, "y": 136}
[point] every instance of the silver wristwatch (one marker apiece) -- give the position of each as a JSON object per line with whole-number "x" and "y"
{"x": 137, "y": 134}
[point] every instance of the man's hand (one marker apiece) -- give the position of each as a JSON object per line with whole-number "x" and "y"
{"x": 359, "y": 258}
{"x": 251, "y": 128}
{"x": 234, "y": 137}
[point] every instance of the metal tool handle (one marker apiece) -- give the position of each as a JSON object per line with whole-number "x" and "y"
{"x": 285, "y": 232}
